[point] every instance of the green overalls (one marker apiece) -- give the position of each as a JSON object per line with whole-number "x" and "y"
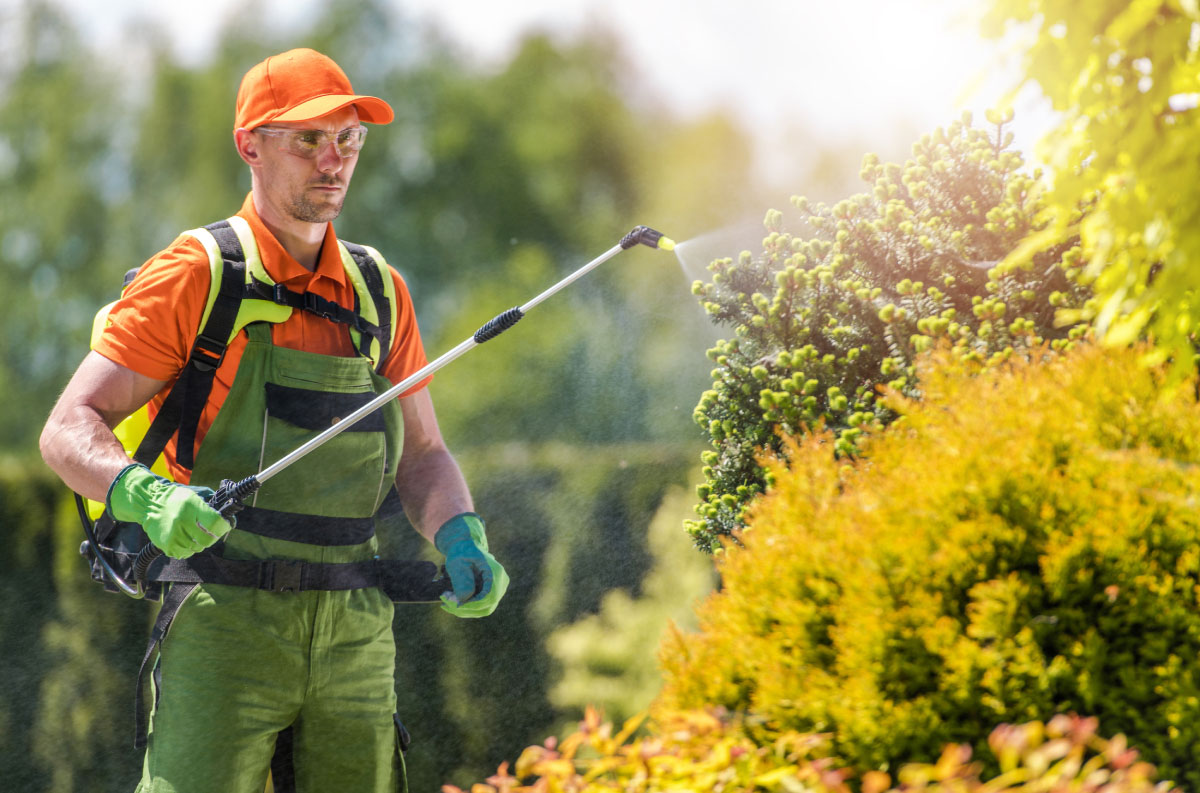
{"x": 240, "y": 664}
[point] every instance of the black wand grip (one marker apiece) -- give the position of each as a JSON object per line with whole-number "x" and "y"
{"x": 229, "y": 496}
{"x": 498, "y": 324}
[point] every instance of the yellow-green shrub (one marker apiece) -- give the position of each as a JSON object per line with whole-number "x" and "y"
{"x": 1022, "y": 543}
{"x": 698, "y": 752}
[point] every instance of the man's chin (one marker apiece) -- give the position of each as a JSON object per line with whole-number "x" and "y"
{"x": 319, "y": 211}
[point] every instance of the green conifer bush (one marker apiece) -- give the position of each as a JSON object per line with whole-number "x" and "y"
{"x": 820, "y": 321}
{"x": 1020, "y": 543}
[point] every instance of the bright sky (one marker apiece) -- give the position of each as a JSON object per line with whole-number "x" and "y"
{"x": 854, "y": 68}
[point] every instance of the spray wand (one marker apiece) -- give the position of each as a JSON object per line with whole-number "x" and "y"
{"x": 228, "y": 498}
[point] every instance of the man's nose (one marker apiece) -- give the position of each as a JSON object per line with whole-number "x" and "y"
{"x": 328, "y": 159}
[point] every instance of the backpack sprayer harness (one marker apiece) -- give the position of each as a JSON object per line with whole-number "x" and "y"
{"x": 236, "y": 297}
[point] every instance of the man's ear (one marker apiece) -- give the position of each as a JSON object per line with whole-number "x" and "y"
{"x": 247, "y": 144}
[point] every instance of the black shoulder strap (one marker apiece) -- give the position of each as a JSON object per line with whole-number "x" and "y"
{"x": 185, "y": 402}
{"x": 374, "y": 279}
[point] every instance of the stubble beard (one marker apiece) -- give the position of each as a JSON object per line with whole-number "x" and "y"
{"x": 305, "y": 209}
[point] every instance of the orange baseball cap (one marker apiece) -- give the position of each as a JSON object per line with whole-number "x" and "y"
{"x": 299, "y": 85}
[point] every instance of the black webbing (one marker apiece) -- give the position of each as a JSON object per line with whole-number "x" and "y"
{"x": 310, "y": 302}
{"x": 185, "y": 402}
{"x": 166, "y": 615}
{"x": 403, "y": 581}
{"x": 209, "y": 349}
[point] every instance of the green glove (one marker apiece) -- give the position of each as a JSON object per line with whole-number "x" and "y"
{"x": 176, "y": 518}
{"x": 465, "y": 546}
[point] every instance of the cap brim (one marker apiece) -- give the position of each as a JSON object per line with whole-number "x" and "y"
{"x": 371, "y": 109}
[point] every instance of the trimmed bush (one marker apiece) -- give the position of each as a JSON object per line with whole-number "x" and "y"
{"x": 820, "y": 322}
{"x": 1021, "y": 544}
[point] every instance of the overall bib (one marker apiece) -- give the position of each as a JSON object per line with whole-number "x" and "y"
{"x": 239, "y": 664}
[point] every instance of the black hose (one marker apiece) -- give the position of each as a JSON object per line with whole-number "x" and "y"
{"x": 89, "y": 531}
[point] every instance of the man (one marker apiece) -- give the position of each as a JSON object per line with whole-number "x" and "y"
{"x": 241, "y": 664}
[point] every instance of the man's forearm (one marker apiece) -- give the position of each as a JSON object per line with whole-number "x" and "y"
{"x": 432, "y": 490}
{"x": 77, "y": 441}
{"x": 78, "y": 445}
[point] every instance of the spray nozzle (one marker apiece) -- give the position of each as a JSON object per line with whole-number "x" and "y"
{"x": 649, "y": 237}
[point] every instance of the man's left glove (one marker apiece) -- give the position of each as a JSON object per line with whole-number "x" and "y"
{"x": 463, "y": 541}
{"x": 176, "y": 518}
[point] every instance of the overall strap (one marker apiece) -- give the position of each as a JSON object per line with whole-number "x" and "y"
{"x": 185, "y": 403}
{"x": 370, "y": 270}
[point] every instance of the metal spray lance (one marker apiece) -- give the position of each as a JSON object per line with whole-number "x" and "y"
{"x": 228, "y": 498}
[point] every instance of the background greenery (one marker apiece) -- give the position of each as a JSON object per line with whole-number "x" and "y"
{"x": 1121, "y": 77}
{"x": 574, "y": 429}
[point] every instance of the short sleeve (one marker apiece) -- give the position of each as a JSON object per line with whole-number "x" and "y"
{"x": 407, "y": 355}
{"x": 151, "y": 327}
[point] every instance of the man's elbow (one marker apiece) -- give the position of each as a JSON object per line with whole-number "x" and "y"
{"x": 48, "y": 440}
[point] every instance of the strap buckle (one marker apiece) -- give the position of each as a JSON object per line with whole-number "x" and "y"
{"x": 207, "y": 353}
{"x": 282, "y": 575}
{"x": 318, "y": 305}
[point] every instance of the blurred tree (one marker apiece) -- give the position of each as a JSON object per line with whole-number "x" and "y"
{"x": 538, "y": 153}
{"x": 58, "y": 172}
{"x": 1122, "y": 76}
{"x": 489, "y": 187}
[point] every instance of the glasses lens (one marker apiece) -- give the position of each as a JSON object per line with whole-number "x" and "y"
{"x": 350, "y": 140}
{"x": 305, "y": 142}
{"x": 309, "y": 142}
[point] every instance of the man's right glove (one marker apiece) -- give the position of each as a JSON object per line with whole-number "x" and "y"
{"x": 176, "y": 518}
{"x": 463, "y": 541}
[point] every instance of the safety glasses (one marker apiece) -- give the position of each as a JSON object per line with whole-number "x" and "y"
{"x": 309, "y": 142}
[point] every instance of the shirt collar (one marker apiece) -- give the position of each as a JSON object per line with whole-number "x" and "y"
{"x": 280, "y": 264}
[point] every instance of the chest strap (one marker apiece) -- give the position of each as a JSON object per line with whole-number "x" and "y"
{"x": 315, "y": 304}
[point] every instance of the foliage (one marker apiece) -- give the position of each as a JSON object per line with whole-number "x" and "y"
{"x": 53, "y": 228}
{"x": 819, "y": 323}
{"x": 65, "y": 676}
{"x": 1020, "y": 544}
{"x": 1122, "y": 77}
{"x": 705, "y": 751}
{"x": 479, "y": 192}
{"x": 608, "y": 658}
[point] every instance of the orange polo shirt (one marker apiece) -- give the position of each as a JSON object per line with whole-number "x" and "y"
{"x": 152, "y": 327}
